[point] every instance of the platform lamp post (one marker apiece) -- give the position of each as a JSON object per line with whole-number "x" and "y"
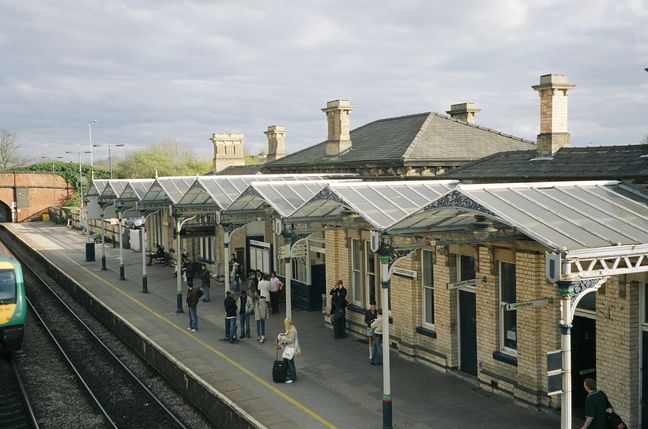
{"x": 94, "y": 121}
{"x": 90, "y": 253}
{"x": 178, "y": 246}
{"x": 102, "y": 206}
{"x": 109, "y": 154}
{"x": 386, "y": 250}
{"x": 119, "y": 206}
{"x": 143, "y": 248}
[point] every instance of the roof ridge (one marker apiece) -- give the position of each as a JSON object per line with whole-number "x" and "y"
{"x": 511, "y": 136}
{"x": 413, "y": 115}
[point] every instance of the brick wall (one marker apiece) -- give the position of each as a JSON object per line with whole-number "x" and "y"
{"x": 40, "y": 191}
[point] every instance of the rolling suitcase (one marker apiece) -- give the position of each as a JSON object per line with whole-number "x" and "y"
{"x": 279, "y": 369}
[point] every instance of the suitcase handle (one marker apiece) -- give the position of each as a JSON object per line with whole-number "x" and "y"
{"x": 277, "y": 353}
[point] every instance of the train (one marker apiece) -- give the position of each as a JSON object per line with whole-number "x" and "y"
{"x": 13, "y": 302}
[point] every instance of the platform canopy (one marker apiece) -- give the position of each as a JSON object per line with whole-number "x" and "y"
{"x": 136, "y": 189}
{"x": 379, "y": 204}
{"x": 113, "y": 189}
{"x": 581, "y": 221}
{"x": 166, "y": 191}
{"x": 282, "y": 197}
{"x": 97, "y": 187}
{"x": 218, "y": 192}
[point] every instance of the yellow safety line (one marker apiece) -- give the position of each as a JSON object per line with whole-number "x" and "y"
{"x": 222, "y": 355}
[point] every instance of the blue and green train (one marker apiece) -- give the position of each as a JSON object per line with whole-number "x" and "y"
{"x": 13, "y": 303}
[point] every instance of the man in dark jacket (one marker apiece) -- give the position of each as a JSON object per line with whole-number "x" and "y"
{"x": 338, "y": 309}
{"x": 230, "y": 318}
{"x": 205, "y": 277}
{"x": 193, "y": 296}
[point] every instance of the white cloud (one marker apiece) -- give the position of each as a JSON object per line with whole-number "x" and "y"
{"x": 154, "y": 70}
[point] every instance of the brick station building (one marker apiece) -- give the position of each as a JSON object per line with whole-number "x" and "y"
{"x": 27, "y": 195}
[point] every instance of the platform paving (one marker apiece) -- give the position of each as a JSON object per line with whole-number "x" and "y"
{"x": 336, "y": 386}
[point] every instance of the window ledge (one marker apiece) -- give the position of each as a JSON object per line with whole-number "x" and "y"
{"x": 426, "y": 331}
{"x": 356, "y": 308}
{"x": 506, "y": 358}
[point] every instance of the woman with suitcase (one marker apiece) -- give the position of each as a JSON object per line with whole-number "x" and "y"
{"x": 290, "y": 344}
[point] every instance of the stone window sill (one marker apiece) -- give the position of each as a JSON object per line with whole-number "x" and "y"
{"x": 506, "y": 358}
{"x": 426, "y": 331}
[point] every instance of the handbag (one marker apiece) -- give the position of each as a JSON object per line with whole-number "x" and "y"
{"x": 288, "y": 353}
{"x": 614, "y": 421}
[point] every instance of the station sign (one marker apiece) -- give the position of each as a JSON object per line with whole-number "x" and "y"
{"x": 528, "y": 304}
{"x": 403, "y": 272}
{"x": 198, "y": 230}
{"x": 466, "y": 283}
{"x": 554, "y": 373}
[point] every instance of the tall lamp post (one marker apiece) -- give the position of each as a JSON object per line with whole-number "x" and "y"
{"x": 90, "y": 256}
{"x": 109, "y": 154}
{"x": 94, "y": 121}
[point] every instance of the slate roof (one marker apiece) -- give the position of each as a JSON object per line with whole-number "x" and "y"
{"x": 239, "y": 170}
{"x": 572, "y": 163}
{"x": 409, "y": 140}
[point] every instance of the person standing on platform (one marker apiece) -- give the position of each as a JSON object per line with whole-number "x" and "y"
{"x": 193, "y": 296}
{"x": 244, "y": 308}
{"x": 230, "y": 318}
{"x": 370, "y": 316}
{"x": 290, "y": 343}
{"x": 275, "y": 287}
{"x": 205, "y": 276}
{"x": 338, "y": 309}
{"x": 376, "y": 325}
{"x": 235, "y": 278}
{"x": 264, "y": 288}
{"x": 260, "y": 314}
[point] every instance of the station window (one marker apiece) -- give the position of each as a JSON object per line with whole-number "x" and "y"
{"x": 508, "y": 319}
{"x": 356, "y": 268}
{"x": 427, "y": 283}
{"x": 370, "y": 275}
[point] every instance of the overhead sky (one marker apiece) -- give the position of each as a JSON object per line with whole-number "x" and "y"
{"x": 150, "y": 70}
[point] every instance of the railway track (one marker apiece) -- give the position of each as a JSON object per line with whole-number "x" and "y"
{"x": 118, "y": 393}
{"x": 15, "y": 407}
{"x": 123, "y": 399}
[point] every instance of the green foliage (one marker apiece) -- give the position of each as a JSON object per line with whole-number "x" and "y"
{"x": 167, "y": 158}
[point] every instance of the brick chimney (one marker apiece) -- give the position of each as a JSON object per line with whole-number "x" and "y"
{"x": 465, "y": 112}
{"x": 276, "y": 135}
{"x": 228, "y": 150}
{"x": 337, "y": 116}
{"x": 553, "y": 90}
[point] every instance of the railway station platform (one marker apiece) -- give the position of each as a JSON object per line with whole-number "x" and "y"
{"x": 336, "y": 386}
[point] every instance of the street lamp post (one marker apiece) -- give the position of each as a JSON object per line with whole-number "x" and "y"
{"x": 89, "y": 243}
{"x": 94, "y": 121}
{"x": 109, "y": 154}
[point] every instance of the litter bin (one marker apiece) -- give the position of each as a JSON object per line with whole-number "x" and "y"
{"x": 46, "y": 217}
{"x": 90, "y": 251}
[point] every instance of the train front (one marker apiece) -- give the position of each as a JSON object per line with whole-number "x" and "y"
{"x": 13, "y": 306}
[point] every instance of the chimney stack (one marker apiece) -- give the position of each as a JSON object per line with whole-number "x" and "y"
{"x": 553, "y": 89}
{"x": 337, "y": 116}
{"x": 465, "y": 112}
{"x": 228, "y": 150}
{"x": 276, "y": 135}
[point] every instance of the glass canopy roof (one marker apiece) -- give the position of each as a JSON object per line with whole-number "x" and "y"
{"x": 381, "y": 204}
{"x": 563, "y": 215}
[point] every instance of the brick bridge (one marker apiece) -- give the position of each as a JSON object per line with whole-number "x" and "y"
{"x": 26, "y": 195}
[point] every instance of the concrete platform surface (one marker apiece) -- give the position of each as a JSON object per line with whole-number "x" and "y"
{"x": 336, "y": 386}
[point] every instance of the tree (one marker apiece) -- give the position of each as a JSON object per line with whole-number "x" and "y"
{"x": 167, "y": 158}
{"x": 644, "y": 140}
{"x": 9, "y": 150}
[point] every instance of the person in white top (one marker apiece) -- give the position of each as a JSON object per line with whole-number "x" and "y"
{"x": 376, "y": 358}
{"x": 264, "y": 287}
{"x": 275, "y": 287}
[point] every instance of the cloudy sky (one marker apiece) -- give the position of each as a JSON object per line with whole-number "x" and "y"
{"x": 150, "y": 70}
